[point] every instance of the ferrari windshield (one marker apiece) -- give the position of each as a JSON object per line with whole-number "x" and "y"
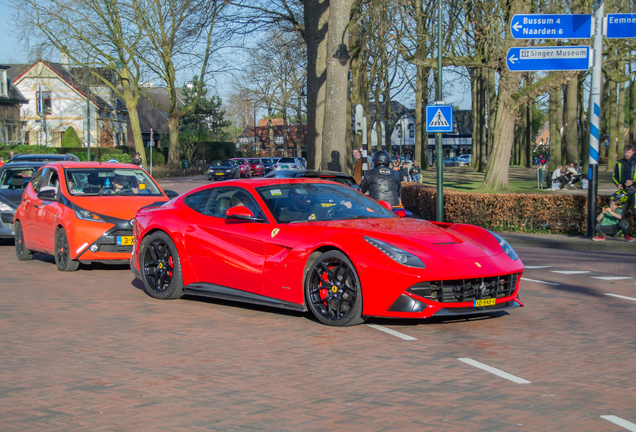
{"x": 110, "y": 181}
{"x": 315, "y": 202}
{"x": 16, "y": 177}
{"x": 222, "y": 163}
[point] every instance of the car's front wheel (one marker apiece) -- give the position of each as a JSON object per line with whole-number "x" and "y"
{"x": 63, "y": 252}
{"x": 21, "y": 250}
{"x": 332, "y": 289}
{"x": 160, "y": 266}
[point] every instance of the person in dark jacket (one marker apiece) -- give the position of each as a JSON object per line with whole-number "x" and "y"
{"x": 382, "y": 183}
{"x": 625, "y": 178}
{"x": 137, "y": 159}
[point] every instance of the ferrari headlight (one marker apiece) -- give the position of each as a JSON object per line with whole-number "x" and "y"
{"x": 86, "y": 215}
{"x": 5, "y": 207}
{"x": 396, "y": 254}
{"x": 506, "y": 247}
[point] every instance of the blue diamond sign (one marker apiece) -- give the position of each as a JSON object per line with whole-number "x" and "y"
{"x": 439, "y": 118}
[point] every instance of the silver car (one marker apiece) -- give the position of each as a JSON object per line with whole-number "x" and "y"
{"x": 289, "y": 163}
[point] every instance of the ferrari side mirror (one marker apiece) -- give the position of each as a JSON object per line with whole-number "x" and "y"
{"x": 386, "y": 205}
{"x": 242, "y": 213}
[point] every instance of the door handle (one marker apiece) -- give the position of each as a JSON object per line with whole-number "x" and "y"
{"x": 190, "y": 228}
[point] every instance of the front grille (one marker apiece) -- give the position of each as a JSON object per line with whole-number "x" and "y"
{"x": 115, "y": 248}
{"x": 463, "y": 290}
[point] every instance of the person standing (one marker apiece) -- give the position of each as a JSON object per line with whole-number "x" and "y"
{"x": 137, "y": 159}
{"x": 11, "y": 154}
{"x": 624, "y": 177}
{"x": 415, "y": 172}
{"x": 357, "y": 170}
{"x": 382, "y": 183}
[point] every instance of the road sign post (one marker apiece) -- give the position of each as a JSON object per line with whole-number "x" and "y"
{"x": 553, "y": 26}
{"x": 361, "y": 129}
{"x": 568, "y": 58}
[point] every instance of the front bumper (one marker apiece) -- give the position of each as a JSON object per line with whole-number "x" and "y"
{"x": 6, "y": 224}
{"x": 212, "y": 175}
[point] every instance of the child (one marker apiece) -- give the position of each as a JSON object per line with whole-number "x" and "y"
{"x": 610, "y": 221}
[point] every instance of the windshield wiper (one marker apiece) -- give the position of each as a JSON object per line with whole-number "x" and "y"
{"x": 355, "y": 217}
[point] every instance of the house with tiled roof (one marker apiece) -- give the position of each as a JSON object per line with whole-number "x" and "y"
{"x": 57, "y": 100}
{"x": 11, "y": 127}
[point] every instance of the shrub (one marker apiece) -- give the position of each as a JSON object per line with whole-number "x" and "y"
{"x": 157, "y": 156}
{"x": 562, "y": 214}
{"x": 25, "y": 149}
{"x": 165, "y": 171}
{"x": 71, "y": 139}
{"x": 119, "y": 157}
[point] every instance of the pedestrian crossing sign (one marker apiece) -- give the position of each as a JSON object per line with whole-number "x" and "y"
{"x": 439, "y": 118}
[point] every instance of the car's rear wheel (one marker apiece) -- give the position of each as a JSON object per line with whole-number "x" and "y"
{"x": 332, "y": 290}
{"x": 63, "y": 253}
{"x": 21, "y": 250}
{"x": 160, "y": 266}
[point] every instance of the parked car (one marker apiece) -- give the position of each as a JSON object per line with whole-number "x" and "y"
{"x": 454, "y": 162}
{"x": 44, "y": 158}
{"x": 14, "y": 178}
{"x": 267, "y": 164}
{"x": 334, "y": 176}
{"x": 289, "y": 163}
{"x": 223, "y": 169}
{"x": 255, "y": 166}
{"x": 465, "y": 158}
{"x": 83, "y": 212}
{"x": 311, "y": 245}
{"x": 244, "y": 166}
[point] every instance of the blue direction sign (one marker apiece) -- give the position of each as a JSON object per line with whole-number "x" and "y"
{"x": 553, "y": 26}
{"x": 439, "y": 118}
{"x": 549, "y": 58}
{"x": 620, "y": 26}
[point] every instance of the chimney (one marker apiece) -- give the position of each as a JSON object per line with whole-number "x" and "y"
{"x": 65, "y": 61}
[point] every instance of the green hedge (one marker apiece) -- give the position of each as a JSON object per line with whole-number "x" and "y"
{"x": 213, "y": 150}
{"x": 158, "y": 156}
{"x": 25, "y": 149}
{"x": 121, "y": 157}
{"x": 553, "y": 213}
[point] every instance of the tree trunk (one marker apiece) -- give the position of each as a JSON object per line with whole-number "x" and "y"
{"x": 378, "y": 119}
{"x": 522, "y": 134}
{"x": 571, "y": 135}
{"x": 131, "y": 105}
{"x": 388, "y": 122}
{"x": 585, "y": 150}
{"x": 481, "y": 125}
{"x": 420, "y": 153}
{"x": 316, "y": 14}
{"x": 272, "y": 144}
{"x": 348, "y": 135}
{"x": 475, "y": 134}
{"x": 529, "y": 135}
{"x": 491, "y": 88}
{"x": 356, "y": 88}
{"x": 555, "y": 127}
{"x": 611, "y": 149}
{"x": 173, "y": 128}
{"x": 582, "y": 124}
{"x": 620, "y": 144}
{"x": 336, "y": 99}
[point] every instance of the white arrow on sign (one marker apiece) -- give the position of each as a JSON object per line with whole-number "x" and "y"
{"x": 513, "y": 59}
{"x": 517, "y": 26}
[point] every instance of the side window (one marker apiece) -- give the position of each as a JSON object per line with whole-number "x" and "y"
{"x": 36, "y": 182}
{"x": 53, "y": 180}
{"x": 216, "y": 201}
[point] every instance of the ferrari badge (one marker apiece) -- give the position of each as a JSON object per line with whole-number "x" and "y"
{"x": 274, "y": 232}
{"x": 334, "y": 289}
{"x": 478, "y": 265}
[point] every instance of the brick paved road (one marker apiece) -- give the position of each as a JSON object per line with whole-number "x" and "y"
{"x": 89, "y": 350}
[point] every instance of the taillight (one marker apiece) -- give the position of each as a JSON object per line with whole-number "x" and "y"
{"x": 294, "y": 166}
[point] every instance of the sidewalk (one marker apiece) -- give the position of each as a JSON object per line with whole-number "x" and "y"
{"x": 570, "y": 242}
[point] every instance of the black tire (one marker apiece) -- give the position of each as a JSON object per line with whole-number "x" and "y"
{"x": 63, "y": 253}
{"x": 160, "y": 267}
{"x": 21, "y": 251}
{"x": 332, "y": 289}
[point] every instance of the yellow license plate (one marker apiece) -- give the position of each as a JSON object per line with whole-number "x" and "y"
{"x": 219, "y": 173}
{"x": 125, "y": 241}
{"x": 484, "y": 302}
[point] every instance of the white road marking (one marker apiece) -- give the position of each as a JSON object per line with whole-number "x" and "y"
{"x": 538, "y": 281}
{"x": 537, "y": 267}
{"x": 611, "y": 278}
{"x": 620, "y": 296}
{"x": 620, "y": 422}
{"x": 569, "y": 272}
{"x": 495, "y": 371}
{"x": 392, "y": 332}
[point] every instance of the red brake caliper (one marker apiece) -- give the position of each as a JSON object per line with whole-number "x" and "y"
{"x": 324, "y": 292}
{"x": 171, "y": 263}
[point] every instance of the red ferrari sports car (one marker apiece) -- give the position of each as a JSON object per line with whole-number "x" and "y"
{"x": 306, "y": 244}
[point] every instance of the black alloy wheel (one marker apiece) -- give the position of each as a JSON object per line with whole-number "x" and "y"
{"x": 160, "y": 266}
{"x": 63, "y": 253}
{"x": 332, "y": 290}
{"x": 21, "y": 250}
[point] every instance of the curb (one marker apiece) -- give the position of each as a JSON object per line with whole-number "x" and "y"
{"x": 555, "y": 241}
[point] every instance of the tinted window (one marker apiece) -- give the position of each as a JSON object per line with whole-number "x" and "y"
{"x": 287, "y": 160}
{"x": 110, "y": 181}
{"x": 254, "y": 161}
{"x": 308, "y": 202}
{"x": 216, "y": 201}
{"x": 222, "y": 163}
{"x": 16, "y": 177}
{"x": 266, "y": 160}
{"x": 36, "y": 182}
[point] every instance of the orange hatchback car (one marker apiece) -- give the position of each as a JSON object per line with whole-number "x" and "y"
{"x": 83, "y": 212}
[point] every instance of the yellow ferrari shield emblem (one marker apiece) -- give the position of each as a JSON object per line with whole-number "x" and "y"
{"x": 160, "y": 265}
{"x": 478, "y": 265}
{"x": 334, "y": 289}
{"x": 274, "y": 232}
